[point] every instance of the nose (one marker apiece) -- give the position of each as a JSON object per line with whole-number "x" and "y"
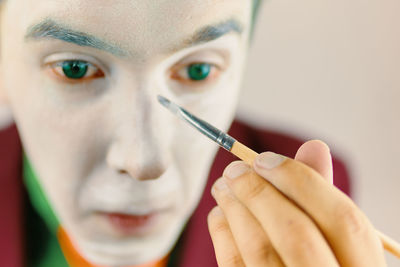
{"x": 137, "y": 165}
{"x": 138, "y": 147}
{"x": 151, "y": 173}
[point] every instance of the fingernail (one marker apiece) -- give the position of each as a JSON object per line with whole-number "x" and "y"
{"x": 220, "y": 184}
{"x": 216, "y": 211}
{"x": 235, "y": 170}
{"x": 269, "y": 160}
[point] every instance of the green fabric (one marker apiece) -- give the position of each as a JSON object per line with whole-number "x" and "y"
{"x": 46, "y": 244}
{"x": 53, "y": 256}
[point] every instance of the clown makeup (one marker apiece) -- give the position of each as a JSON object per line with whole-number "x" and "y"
{"x": 82, "y": 76}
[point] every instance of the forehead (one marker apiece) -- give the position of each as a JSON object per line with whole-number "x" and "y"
{"x": 137, "y": 25}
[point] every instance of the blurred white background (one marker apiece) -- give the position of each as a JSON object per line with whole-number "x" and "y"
{"x": 330, "y": 70}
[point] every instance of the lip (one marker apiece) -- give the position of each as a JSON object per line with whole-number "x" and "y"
{"x": 129, "y": 224}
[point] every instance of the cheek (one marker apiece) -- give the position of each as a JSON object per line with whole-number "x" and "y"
{"x": 218, "y": 106}
{"x": 195, "y": 152}
{"x": 56, "y": 136}
{"x": 194, "y": 159}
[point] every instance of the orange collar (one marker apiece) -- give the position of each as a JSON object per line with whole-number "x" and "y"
{"x": 74, "y": 259}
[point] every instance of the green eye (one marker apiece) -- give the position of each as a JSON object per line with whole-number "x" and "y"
{"x": 75, "y": 69}
{"x": 198, "y": 71}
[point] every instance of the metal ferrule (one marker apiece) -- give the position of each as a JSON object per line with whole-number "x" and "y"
{"x": 221, "y": 138}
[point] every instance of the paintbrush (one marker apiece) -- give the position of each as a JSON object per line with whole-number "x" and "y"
{"x": 244, "y": 153}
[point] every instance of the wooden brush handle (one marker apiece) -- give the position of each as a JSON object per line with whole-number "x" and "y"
{"x": 248, "y": 156}
{"x": 244, "y": 153}
{"x": 389, "y": 244}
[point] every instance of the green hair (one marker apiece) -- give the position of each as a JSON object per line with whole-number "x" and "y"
{"x": 255, "y": 10}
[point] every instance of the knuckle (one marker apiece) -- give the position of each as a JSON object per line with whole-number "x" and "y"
{"x": 234, "y": 260}
{"x": 226, "y": 199}
{"x": 351, "y": 220}
{"x": 307, "y": 248}
{"x": 299, "y": 239}
{"x": 296, "y": 227}
{"x": 217, "y": 224}
{"x": 262, "y": 252}
{"x": 301, "y": 181}
{"x": 252, "y": 190}
{"x": 257, "y": 244}
{"x": 304, "y": 248}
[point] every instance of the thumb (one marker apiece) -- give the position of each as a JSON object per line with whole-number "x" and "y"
{"x": 316, "y": 154}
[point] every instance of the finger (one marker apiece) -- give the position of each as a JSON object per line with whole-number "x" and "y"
{"x": 346, "y": 228}
{"x": 292, "y": 233}
{"x": 316, "y": 154}
{"x": 250, "y": 238}
{"x": 226, "y": 252}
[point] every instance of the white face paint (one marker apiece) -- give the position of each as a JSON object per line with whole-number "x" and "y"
{"x": 102, "y": 145}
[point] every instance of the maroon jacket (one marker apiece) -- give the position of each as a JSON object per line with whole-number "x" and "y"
{"x": 194, "y": 248}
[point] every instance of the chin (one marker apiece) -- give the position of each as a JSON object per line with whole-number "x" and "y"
{"x": 113, "y": 248}
{"x": 127, "y": 254}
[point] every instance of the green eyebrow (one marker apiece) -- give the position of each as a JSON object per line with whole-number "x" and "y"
{"x": 50, "y": 29}
{"x": 210, "y": 33}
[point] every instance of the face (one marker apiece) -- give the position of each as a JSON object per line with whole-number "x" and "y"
{"x": 82, "y": 78}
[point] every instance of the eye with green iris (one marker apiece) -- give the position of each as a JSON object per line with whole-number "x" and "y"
{"x": 75, "y": 69}
{"x": 198, "y": 71}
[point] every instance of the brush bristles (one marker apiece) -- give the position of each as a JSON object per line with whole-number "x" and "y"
{"x": 168, "y": 104}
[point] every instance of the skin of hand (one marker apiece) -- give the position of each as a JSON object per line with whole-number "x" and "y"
{"x": 285, "y": 212}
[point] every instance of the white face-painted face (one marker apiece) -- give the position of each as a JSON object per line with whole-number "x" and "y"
{"x": 86, "y": 107}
